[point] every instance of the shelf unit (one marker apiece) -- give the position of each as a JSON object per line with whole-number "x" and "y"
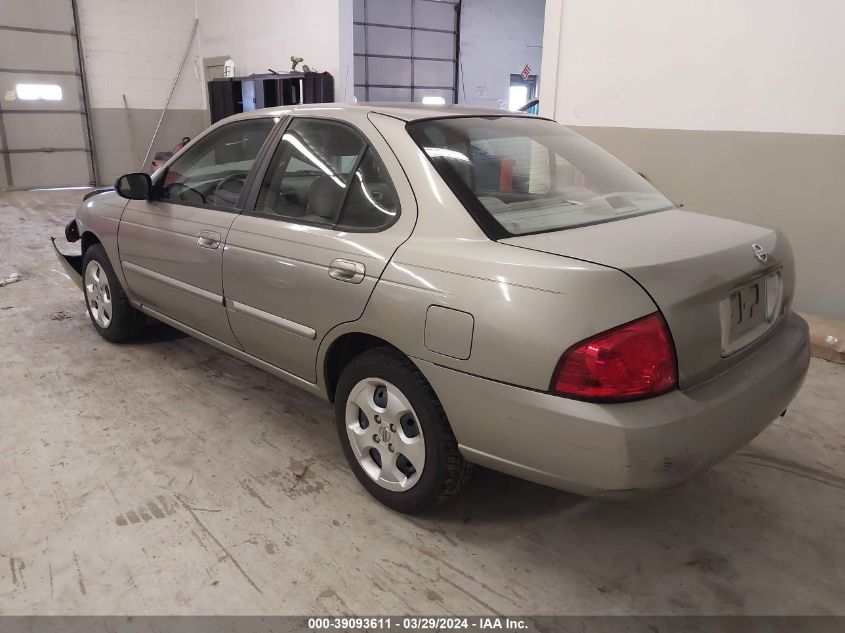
{"x": 233, "y": 95}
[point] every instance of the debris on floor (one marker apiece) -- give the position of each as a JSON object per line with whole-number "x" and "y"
{"x": 827, "y": 338}
{"x": 10, "y": 279}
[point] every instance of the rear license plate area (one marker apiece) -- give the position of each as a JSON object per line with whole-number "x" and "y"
{"x": 749, "y": 311}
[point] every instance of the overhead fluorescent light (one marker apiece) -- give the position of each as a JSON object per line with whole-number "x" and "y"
{"x": 432, "y": 100}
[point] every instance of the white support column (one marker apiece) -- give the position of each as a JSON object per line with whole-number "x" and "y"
{"x": 550, "y": 70}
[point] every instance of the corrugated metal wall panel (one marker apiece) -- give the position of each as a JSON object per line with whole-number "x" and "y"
{"x": 43, "y": 142}
{"x": 405, "y": 49}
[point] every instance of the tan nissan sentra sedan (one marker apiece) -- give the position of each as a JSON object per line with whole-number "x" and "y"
{"x": 467, "y": 286}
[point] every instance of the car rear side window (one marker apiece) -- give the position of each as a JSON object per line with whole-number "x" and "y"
{"x": 371, "y": 202}
{"x": 521, "y": 175}
{"x": 324, "y": 172}
{"x": 212, "y": 172}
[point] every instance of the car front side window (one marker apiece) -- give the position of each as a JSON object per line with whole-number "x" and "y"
{"x": 212, "y": 172}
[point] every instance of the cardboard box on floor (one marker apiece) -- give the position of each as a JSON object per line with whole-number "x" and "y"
{"x": 827, "y": 338}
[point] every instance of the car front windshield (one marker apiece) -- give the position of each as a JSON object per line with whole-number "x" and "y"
{"x": 521, "y": 175}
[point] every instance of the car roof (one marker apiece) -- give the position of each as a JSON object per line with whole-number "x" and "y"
{"x": 404, "y": 111}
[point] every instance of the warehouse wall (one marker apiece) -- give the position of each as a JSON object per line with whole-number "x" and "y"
{"x": 265, "y": 33}
{"x": 733, "y": 108}
{"x": 133, "y": 49}
{"x": 132, "y": 52}
{"x": 498, "y": 37}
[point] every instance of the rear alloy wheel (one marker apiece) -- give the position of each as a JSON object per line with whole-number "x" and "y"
{"x": 384, "y": 434}
{"x": 395, "y": 434}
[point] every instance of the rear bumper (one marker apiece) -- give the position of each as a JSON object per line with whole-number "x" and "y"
{"x": 72, "y": 264}
{"x": 617, "y": 449}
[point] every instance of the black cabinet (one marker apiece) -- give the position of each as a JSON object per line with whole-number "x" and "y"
{"x": 225, "y": 98}
{"x": 243, "y": 94}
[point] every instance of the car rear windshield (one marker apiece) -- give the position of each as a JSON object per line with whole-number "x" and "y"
{"x": 521, "y": 175}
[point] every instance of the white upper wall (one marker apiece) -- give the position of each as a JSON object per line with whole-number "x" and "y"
{"x": 135, "y": 48}
{"x": 751, "y": 65}
{"x": 498, "y": 38}
{"x": 262, "y": 34}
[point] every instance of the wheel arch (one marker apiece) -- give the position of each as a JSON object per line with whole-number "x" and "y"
{"x": 103, "y": 231}
{"x": 342, "y": 350}
{"x": 89, "y": 238}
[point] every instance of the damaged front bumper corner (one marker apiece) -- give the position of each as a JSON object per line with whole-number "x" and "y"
{"x": 72, "y": 264}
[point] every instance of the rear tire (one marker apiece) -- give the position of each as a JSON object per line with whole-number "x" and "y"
{"x": 113, "y": 316}
{"x": 401, "y": 410}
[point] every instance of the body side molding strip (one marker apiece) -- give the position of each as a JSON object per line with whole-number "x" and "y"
{"x": 290, "y": 326}
{"x": 170, "y": 281}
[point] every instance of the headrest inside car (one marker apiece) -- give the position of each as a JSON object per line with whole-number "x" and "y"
{"x": 324, "y": 197}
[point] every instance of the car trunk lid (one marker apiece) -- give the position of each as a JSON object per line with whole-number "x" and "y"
{"x": 707, "y": 275}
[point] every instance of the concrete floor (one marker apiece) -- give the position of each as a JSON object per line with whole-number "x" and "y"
{"x": 164, "y": 477}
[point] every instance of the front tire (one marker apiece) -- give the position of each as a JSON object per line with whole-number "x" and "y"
{"x": 395, "y": 433}
{"x": 113, "y": 316}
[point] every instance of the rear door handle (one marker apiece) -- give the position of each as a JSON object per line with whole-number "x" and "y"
{"x": 347, "y": 270}
{"x": 208, "y": 239}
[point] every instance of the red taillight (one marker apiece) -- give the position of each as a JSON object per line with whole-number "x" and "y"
{"x": 635, "y": 360}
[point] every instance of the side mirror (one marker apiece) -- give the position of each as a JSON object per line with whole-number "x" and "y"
{"x": 135, "y": 186}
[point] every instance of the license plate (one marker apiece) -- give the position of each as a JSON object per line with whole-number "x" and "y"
{"x": 749, "y": 311}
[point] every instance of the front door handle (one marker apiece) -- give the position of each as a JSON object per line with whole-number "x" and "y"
{"x": 347, "y": 270}
{"x": 208, "y": 239}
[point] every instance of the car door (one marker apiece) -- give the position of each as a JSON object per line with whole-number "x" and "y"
{"x": 171, "y": 246}
{"x": 329, "y": 211}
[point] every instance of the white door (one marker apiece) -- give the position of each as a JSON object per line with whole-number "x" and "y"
{"x": 405, "y": 49}
{"x": 44, "y": 131}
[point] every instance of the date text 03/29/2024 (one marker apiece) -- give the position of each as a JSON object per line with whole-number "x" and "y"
{"x": 417, "y": 623}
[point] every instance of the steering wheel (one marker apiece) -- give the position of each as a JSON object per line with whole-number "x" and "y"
{"x": 196, "y": 191}
{"x": 230, "y": 178}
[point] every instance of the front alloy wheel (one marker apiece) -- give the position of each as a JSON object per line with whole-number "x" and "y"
{"x": 113, "y": 316}
{"x": 98, "y": 294}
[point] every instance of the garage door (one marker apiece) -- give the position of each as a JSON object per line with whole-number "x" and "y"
{"x": 405, "y": 50}
{"x": 44, "y": 131}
